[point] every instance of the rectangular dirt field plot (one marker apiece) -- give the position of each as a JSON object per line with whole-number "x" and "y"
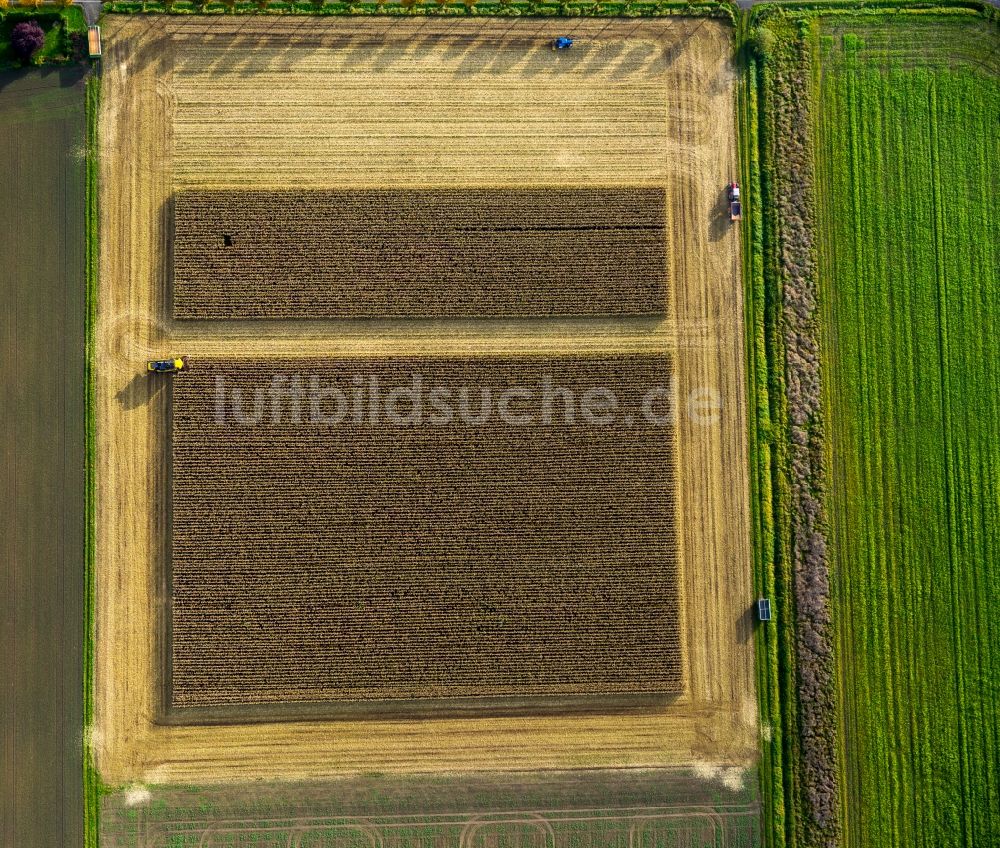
{"x": 326, "y": 551}
{"x": 382, "y": 253}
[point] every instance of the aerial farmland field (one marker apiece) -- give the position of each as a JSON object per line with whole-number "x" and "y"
{"x": 492, "y": 542}
{"x": 908, "y": 139}
{"x": 440, "y": 253}
{"x": 640, "y": 119}
{"x": 505, "y": 424}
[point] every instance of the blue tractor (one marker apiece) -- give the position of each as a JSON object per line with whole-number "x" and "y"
{"x": 167, "y": 366}
{"x": 563, "y": 42}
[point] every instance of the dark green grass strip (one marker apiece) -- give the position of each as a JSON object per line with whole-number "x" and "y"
{"x": 91, "y": 779}
{"x": 760, "y": 438}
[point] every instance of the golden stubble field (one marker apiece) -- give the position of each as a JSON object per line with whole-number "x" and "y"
{"x": 338, "y": 103}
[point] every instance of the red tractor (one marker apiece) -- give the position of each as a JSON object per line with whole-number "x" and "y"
{"x": 735, "y": 207}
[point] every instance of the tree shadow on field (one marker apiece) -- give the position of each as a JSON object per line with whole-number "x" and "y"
{"x": 33, "y": 79}
{"x": 718, "y": 222}
{"x": 141, "y": 389}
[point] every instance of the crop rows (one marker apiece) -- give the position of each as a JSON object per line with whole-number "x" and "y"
{"x": 912, "y": 288}
{"x": 419, "y": 253}
{"x": 321, "y": 560}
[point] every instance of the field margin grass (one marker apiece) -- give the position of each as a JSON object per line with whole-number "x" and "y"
{"x": 768, "y": 447}
{"x": 92, "y": 786}
{"x": 762, "y": 395}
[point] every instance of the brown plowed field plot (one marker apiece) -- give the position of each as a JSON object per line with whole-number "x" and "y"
{"x": 277, "y": 104}
{"x": 418, "y": 253}
{"x": 458, "y": 555}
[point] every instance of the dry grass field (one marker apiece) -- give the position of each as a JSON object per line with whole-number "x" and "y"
{"x": 332, "y": 104}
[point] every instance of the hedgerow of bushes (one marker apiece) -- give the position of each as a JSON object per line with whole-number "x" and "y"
{"x": 513, "y": 8}
{"x": 781, "y": 48}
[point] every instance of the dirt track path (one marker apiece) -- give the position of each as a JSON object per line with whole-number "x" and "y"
{"x": 193, "y": 102}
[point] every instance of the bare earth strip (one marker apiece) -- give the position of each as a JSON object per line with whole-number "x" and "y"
{"x": 191, "y": 103}
{"x": 320, "y": 557}
{"x": 419, "y": 253}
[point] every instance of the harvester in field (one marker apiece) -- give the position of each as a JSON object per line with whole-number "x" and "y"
{"x": 563, "y": 42}
{"x": 167, "y": 366}
{"x": 735, "y": 206}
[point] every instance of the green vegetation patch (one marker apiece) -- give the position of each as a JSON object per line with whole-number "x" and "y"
{"x": 908, "y": 149}
{"x": 65, "y": 36}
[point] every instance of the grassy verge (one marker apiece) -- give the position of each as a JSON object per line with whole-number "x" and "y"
{"x": 795, "y": 668}
{"x": 760, "y": 435}
{"x": 91, "y": 779}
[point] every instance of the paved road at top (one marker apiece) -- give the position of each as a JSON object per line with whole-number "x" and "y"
{"x": 91, "y": 9}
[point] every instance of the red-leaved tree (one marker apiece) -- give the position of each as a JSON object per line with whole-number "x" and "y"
{"x": 26, "y": 39}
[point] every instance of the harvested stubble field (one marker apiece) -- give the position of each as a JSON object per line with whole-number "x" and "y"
{"x": 419, "y": 253}
{"x": 235, "y": 103}
{"x": 414, "y": 553}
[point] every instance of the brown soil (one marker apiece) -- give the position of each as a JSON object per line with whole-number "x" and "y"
{"x": 419, "y": 253}
{"x": 425, "y": 546}
{"x": 42, "y": 426}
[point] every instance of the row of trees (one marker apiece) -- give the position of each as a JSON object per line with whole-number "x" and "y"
{"x": 264, "y": 4}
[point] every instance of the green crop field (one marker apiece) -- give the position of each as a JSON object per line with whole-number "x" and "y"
{"x": 909, "y": 232}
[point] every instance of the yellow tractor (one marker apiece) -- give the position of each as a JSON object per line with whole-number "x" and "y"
{"x": 167, "y": 366}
